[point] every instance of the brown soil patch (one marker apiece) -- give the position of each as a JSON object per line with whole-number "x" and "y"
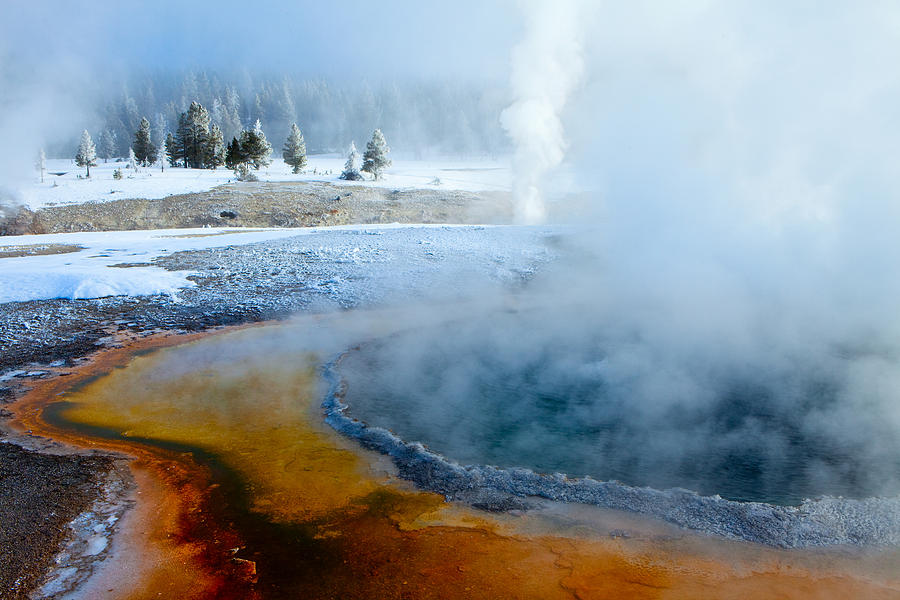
{"x": 37, "y": 250}
{"x": 271, "y": 204}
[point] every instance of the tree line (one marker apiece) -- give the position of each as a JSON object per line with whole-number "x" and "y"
{"x": 419, "y": 116}
{"x": 198, "y": 143}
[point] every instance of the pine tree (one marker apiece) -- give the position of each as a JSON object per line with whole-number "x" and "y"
{"x": 159, "y": 130}
{"x": 215, "y": 148}
{"x": 182, "y": 140}
{"x": 198, "y": 118}
{"x": 132, "y": 160}
{"x": 163, "y": 155}
{"x": 143, "y": 147}
{"x": 192, "y": 137}
{"x": 351, "y": 167}
{"x": 375, "y": 160}
{"x": 234, "y": 155}
{"x": 171, "y": 150}
{"x": 255, "y": 148}
{"x": 107, "y": 145}
{"x": 87, "y": 153}
{"x": 294, "y": 152}
{"x": 40, "y": 163}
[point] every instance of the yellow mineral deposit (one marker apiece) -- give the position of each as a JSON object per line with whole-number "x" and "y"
{"x": 244, "y": 492}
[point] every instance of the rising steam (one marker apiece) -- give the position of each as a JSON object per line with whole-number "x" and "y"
{"x": 546, "y": 67}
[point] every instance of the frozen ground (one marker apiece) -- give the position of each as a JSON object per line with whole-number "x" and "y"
{"x": 62, "y": 184}
{"x": 104, "y": 264}
{"x": 91, "y": 271}
{"x": 283, "y": 272}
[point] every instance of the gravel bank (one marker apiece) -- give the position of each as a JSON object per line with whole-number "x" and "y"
{"x": 40, "y": 494}
{"x": 268, "y": 204}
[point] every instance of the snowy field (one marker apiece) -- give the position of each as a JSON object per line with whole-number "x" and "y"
{"x": 103, "y": 264}
{"x": 88, "y": 272}
{"x": 62, "y": 184}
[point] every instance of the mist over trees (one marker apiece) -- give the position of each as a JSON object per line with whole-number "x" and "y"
{"x": 107, "y": 145}
{"x": 419, "y": 118}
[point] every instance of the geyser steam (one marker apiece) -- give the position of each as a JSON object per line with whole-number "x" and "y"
{"x": 546, "y": 67}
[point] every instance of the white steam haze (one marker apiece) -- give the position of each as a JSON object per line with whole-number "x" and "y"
{"x": 546, "y": 67}
{"x": 737, "y": 293}
{"x": 64, "y": 64}
{"x": 742, "y": 164}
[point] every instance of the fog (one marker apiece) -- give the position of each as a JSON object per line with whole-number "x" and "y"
{"x": 739, "y": 257}
{"x": 728, "y": 308}
{"x": 66, "y": 67}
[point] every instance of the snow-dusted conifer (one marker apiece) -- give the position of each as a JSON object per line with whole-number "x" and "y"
{"x": 375, "y": 160}
{"x": 255, "y": 147}
{"x": 215, "y": 148}
{"x": 234, "y": 155}
{"x": 143, "y": 147}
{"x": 171, "y": 150}
{"x": 159, "y": 130}
{"x": 107, "y": 148}
{"x": 40, "y": 163}
{"x": 87, "y": 153}
{"x": 163, "y": 155}
{"x": 192, "y": 137}
{"x": 132, "y": 160}
{"x": 351, "y": 167}
{"x": 182, "y": 139}
{"x": 294, "y": 151}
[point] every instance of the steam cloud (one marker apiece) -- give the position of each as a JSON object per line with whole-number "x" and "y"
{"x": 737, "y": 292}
{"x": 546, "y": 67}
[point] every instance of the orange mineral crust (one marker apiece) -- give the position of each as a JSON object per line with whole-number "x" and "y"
{"x": 244, "y": 492}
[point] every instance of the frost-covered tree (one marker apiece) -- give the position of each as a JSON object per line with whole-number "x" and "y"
{"x": 163, "y": 155}
{"x": 40, "y": 163}
{"x": 242, "y": 172}
{"x": 231, "y": 118}
{"x": 159, "y": 130}
{"x": 87, "y": 153}
{"x": 294, "y": 151}
{"x": 217, "y": 112}
{"x": 255, "y": 147}
{"x": 375, "y": 160}
{"x": 107, "y": 142}
{"x": 351, "y": 167}
{"x": 192, "y": 136}
{"x": 171, "y": 150}
{"x": 182, "y": 139}
{"x": 215, "y": 148}
{"x": 132, "y": 160}
{"x": 143, "y": 147}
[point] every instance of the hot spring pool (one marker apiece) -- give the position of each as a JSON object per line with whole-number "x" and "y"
{"x": 600, "y": 406}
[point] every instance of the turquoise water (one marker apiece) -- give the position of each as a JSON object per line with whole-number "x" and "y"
{"x": 480, "y": 395}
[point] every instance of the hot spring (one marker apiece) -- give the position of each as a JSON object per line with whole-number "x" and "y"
{"x": 503, "y": 388}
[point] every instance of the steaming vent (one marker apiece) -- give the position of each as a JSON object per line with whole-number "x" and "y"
{"x": 589, "y": 403}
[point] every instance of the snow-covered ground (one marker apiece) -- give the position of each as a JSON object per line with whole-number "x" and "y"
{"x": 96, "y": 270}
{"x": 88, "y": 273}
{"x": 62, "y": 184}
